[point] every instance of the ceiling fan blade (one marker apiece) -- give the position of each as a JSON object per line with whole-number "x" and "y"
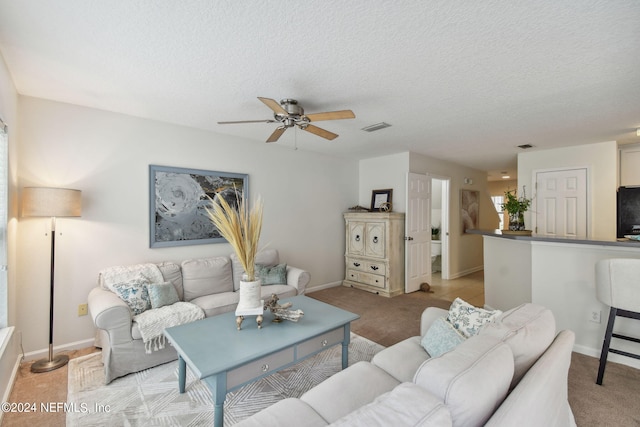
{"x": 331, "y": 115}
{"x": 320, "y": 132}
{"x": 276, "y": 134}
{"x": 246, "y": 121}
{"x": 273, "y": 104}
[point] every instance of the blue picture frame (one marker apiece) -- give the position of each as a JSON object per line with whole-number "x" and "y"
{"x": 177, "y": 202}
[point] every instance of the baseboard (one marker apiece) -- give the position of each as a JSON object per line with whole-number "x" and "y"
{"x": 44, "y": 353}
{"x": 465, "y": 272}
{"x": 615, "y": 358}
{"x": 324, "y": 286}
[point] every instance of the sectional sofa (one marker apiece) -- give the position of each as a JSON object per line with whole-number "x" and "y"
{"x": 512, "y": 373}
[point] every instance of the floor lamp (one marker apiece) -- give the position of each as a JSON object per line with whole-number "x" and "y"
{"x": 51, "y": 202}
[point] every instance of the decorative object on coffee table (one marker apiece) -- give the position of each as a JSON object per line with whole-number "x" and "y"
{"x": 282, "y": 311}
{"x": 241, "y": 227}
{"x": 516, "y": 207}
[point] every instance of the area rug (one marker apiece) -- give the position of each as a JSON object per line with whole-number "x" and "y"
{"x": 151, "y": 397}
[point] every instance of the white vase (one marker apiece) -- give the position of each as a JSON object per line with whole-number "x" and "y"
{"x": 250, "y": 295}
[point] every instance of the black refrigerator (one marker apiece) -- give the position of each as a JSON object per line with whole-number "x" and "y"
{"x": 628, "y": 211}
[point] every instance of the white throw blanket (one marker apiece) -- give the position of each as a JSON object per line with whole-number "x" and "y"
{"x": 124, "y": 274}
{"x": 152, "y": 323}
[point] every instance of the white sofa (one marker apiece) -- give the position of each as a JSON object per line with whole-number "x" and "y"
{"x": 512, "y": 373}
{"x": 210, "y": 283}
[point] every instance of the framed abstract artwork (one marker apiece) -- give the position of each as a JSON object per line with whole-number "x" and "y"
{"x": 469, "y": 209}
{"x": 178, "y": 201}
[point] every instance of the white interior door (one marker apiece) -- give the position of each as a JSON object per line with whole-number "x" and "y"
{"x": 417, "y": 232}
{"x": 560, "y": 204}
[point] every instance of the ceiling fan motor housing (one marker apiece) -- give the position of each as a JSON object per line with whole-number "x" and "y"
{"x": 295, "y": 113}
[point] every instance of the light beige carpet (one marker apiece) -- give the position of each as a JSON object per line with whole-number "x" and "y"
{"x": 151, "y": 397}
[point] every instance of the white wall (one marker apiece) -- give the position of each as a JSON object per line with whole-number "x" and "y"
{"x": 9, "y": 340}
{"x": 601, "y": 162}
{"x": 391, "y": 172}
{"x": 380, "y": 173}
{"x": 465, "y": 250}
{"x": 107, "y": 156}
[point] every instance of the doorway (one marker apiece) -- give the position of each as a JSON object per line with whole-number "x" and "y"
{"x": 440, "y": 222}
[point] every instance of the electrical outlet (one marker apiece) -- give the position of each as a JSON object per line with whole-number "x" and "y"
{"x": 595, "y": 316}
{"x": 83, "y": 310}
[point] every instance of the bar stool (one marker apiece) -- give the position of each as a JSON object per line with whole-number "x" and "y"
{"x": 618, "y": 286}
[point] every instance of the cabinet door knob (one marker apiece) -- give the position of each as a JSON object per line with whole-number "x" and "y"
{"x": 374, "y": 267}
{"x": 265, "y": 367}
{"x": 357, "y": 237}
{"x": 356, "y": 264}
{"x": 375, "y": 239}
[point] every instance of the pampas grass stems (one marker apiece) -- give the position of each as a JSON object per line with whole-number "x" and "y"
{"x": 241, "y": 227}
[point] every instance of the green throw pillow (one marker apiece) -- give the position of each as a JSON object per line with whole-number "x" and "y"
{"x": 276, "y": 275}
{"x": 441, "y": 337}
{"x": 162, "y": 294}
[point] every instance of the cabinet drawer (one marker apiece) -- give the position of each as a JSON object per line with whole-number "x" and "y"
{"x": 372, "y": 280}
{"x": 263, "y": 366}
{"x": 356, "y": 264}
{"x": 320, "y": 342}
{"x": 353, "y": 275}
{"x": 376, "y": 268}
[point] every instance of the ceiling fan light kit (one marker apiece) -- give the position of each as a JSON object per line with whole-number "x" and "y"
{"x": 289, "y": 114}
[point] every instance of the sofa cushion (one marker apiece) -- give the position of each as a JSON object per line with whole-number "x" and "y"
{"x": 288, "y": 411}
{"x": 441, "y": 337}
{"x": 268, "y": 257}
{"x": 206, "y": 276}
{"x": 219, "y": 303}
{"x": 171, "y": 272}
{"x": 405, "y": 405}
{"x": 272, "y": 275}
{"x": 468, "y": 319}
{"x": 162, "y": 294}
{"x": 348, "y": 390}
{"x": 283, "y": 291}
{"x": 472, "y": 380}
{"x": 528, "y": 329}
{"x": 402, "y": 360}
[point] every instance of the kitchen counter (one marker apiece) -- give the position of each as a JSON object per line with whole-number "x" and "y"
{"x": 558, "y": 273}
{"x": 534, "y": 238}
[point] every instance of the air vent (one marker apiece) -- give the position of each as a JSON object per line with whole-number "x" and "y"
{"x": 376, "y": 127}
{"x": 525, "y": 146}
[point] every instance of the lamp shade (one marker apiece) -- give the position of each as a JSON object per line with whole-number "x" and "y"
{"x": 51, "y": 202}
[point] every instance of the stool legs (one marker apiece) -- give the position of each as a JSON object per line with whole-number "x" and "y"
{"x": 606, "y": 344}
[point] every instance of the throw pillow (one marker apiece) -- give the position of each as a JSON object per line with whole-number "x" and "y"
{"x": 468, "y": 319}
{"x": 135, "y": 294}
{"x": 162, "y": 294}
{"x": 276, "y": 275}
{"x": 441, "y": 338}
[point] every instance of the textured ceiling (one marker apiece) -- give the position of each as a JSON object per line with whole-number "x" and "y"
{"x": 465, "y": 81}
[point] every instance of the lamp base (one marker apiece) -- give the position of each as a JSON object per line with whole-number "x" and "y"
{"x": 46, "y": 365}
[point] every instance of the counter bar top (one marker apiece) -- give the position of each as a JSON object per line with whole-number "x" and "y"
{"x": 534, "y": 238}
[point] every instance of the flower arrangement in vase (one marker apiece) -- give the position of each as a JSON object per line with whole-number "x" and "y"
{"x": 516, "y": 207}
{"x": 241, "y": 227}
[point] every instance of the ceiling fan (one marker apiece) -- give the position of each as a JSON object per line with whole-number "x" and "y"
{"x": 288, "y": 113}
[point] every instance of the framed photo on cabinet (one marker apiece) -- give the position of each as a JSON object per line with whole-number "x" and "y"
{"x": 381, "y": 200}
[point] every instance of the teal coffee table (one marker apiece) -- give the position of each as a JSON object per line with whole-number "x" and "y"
{"x": 226, "y": 358}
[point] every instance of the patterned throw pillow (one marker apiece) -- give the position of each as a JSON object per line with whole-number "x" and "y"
{"x": 135, "y": 294}
{"x": 162, "y": 294}
{"x": 441, "y": 337}
{"x": 276, "y": 275}
{"x": 468, "y": 319}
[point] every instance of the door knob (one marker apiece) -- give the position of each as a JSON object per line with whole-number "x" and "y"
{"x": 408, "y": 238}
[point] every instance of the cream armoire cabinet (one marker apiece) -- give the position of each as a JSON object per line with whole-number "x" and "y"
{"x": 374, "y": 256}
